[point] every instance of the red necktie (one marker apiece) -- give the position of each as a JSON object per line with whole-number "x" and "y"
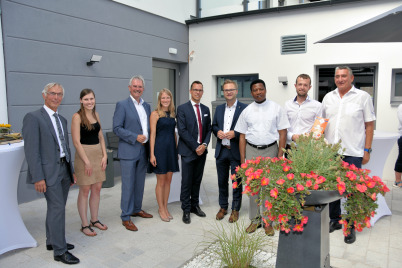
{"x": 199, "y": 121}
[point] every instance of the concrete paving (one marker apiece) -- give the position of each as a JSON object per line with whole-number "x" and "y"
{"x": 172, "y": 244}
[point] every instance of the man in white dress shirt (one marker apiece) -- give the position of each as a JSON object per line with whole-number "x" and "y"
{"x": 351, "y": 120}
{"x": 261, "y": 125}
{"x": 301, "y": 110}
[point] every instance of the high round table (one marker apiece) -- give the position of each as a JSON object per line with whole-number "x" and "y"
{"x": 13, "y": 233}
{"x": 382, "y": 145}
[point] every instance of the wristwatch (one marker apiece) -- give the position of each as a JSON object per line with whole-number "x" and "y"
{"x": 369, "y": 150}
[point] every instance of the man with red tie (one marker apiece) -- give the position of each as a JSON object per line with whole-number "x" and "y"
{"x": 194, "y": 128}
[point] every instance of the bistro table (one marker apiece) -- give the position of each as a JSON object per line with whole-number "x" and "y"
{"x": 382, "y": 145}
{"x": 13, "y": 233}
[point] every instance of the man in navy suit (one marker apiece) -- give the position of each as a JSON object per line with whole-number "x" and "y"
{"x": 194, "y": 127}
{"x": 227, "y": 149}
{"x": 131, "y": 125}
{"x": 48, "y": 155}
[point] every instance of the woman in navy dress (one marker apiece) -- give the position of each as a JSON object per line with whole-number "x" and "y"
{"x": 163, "y": 149}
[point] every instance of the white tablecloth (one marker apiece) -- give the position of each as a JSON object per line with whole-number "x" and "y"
{"x": 13, "y": 233}
{"x": 382, "y": 145}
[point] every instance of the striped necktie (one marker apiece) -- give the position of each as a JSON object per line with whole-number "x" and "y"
{"x": 61, "y": 137}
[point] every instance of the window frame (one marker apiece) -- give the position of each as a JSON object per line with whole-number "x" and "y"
{"x": 395, "y": 100}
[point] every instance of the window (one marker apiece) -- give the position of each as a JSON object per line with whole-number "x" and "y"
{"x": 243, "y": 83}
{"x": 396, "y": 86}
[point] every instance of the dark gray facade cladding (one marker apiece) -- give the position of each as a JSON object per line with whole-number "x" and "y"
{"x": 51, "y": 41}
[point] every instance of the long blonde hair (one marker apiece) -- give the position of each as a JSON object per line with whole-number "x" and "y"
{"x": 171, "y": 107}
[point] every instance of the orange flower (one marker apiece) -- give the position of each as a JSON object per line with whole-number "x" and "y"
{"x": 308, "y": 183}
{"x": 290, "y": 190}
{"x": 290, "y": 176}
{"x": 341, "y": 187}
{"x": 361, "y": 188}
{"x": 234, "y": 185}
{"x": 298, "y": 228}
{"x": 374, "y": 196}
{"x": 268, "y": 204}
{"x": 299, "y": 187}
{"x": 233, "y": 177}
{"x": 304, "y": 220}
{"x": 371, "y": 184}
{"x": 280, "y": 181}
{"x": 274, "y": 193}
{"x": 264, "y": 181}
{"x": 286, "y": 168}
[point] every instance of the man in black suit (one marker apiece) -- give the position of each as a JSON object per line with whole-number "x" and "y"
{"x": 227, "y": 149}
{"x": 194, "y": 127}
{"x": 48, "y": 155}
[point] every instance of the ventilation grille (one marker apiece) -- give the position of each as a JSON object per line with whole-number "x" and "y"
{"x": 293, "y": 44}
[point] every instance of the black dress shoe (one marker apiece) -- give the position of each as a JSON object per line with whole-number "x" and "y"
{"x": 67, "y": 258}
{"x": 186, "y": 217}
{"x": 334, "y": 225}
{"x": 69, "y": 247}
{"x": 197, "y": 211}
{"x": 351, "y": 238}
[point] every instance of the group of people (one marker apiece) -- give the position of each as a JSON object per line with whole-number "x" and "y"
{"x": 148, "y": 139}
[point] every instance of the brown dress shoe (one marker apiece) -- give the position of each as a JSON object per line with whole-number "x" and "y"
{"x": 130, "y": 226}
{"x": 252, "y": 227}
{"x": 142, "y": 214}
{"x": 234, "y": 216}
{"x": 269, "y": 230}
{"x": 221, "y": 214}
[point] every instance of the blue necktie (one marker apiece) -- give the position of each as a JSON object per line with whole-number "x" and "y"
{"x": 61, "y": 137}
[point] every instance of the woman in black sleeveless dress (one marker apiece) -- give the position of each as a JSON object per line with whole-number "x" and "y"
{"x": 163, "y": 149}
{"x": 90, "y": 160}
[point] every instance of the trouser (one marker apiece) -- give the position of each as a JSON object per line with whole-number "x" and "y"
{"x": 254, "y": 212}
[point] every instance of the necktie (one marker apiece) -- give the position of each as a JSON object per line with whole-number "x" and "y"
{"x": 199, "y": 121}
{"x": 61, "y": 137}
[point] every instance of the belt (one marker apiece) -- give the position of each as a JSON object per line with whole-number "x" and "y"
{"x": 63, "y": 160}
{"x": 226, "y": 146}
{"x": 260, "y": 147}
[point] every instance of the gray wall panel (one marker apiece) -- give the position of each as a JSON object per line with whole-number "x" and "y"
{"x": 51, "y": 41}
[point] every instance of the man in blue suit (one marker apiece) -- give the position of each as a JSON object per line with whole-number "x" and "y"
{"x": 227, "y": 149}
{"x": 131, "y": 125}
{"x": 50, "y": 169}
{"x": 194, "y": 127}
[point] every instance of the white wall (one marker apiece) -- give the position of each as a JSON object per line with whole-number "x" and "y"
{"x": 252, "y": 45}
{"x": 177, "y": 10}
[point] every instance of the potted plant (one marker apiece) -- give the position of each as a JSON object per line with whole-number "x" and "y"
{"x": 313, "y": 166}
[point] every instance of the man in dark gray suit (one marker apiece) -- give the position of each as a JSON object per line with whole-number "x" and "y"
{"x": 48, "y": 155}
{"x": 131, "y": 125}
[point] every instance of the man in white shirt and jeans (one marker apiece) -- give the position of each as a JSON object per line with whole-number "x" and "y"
{"x": 301, "y": 110}
{"x": 261, "y": 125}
{"x": 351, "y": 119}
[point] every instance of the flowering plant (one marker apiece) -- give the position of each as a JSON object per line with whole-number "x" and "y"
{"x": 283, "y": 184}
{"x": 5, "y": 128}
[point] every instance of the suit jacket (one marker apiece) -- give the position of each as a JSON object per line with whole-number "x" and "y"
{"x": 127, "y": 126}
{"x": 42, "y": 151}
{"x": 187, "y": 127}
{"x": 217, "y": 125}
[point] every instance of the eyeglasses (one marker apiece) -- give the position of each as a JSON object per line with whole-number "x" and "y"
{"x": 228, "y": 90}
{"x": 198, "y": 90}
{"x": 55, "y": 94}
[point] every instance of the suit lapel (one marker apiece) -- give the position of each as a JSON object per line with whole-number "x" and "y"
{"x": 236, "y": 114}
{"x": 49, "y": 123}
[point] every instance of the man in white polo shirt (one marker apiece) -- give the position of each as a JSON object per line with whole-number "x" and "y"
{"x": 261, "y": 125}
{"x": 351, "y": 120}
{"x": 301, "y": 110}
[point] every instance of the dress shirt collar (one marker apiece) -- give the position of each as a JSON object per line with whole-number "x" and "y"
{"x": 306, "y": 100}
{"x": 193, "y": 103}
{"x": 136, "y": 102}
{"x": 50, "y": 111}
{"x": 353, "y": 90}
{"x": 233, "y": 106}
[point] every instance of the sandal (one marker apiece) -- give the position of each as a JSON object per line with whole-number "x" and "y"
{"x": 104, "y": 227}
{"x": 397, "y": 184}
{"x": 93, "y": 233}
